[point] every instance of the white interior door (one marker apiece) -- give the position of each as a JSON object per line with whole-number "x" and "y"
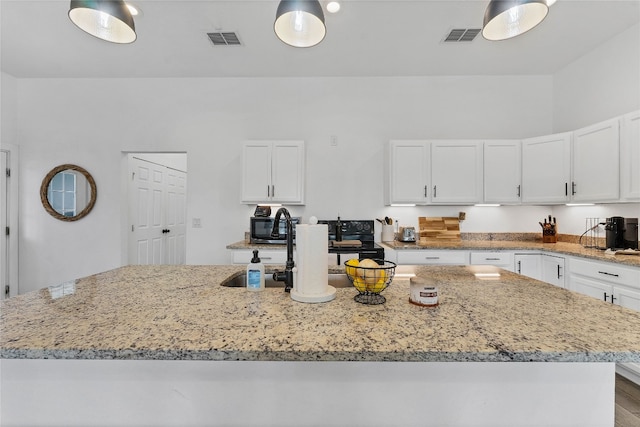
{"x": 175, "y": 221}
{"x": 157, "y": 203}
{"x": 4, "y": 240}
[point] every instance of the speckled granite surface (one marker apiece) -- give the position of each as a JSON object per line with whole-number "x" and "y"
{"x": 182, "y": 312}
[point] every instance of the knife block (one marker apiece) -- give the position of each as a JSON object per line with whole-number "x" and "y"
{"x": 549, "y": 235}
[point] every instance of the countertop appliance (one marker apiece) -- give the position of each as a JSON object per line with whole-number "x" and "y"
{"x": 260, "y": 230}
{"x": 621, "y": 233}
{"x": 356, "y": 237}
{"x": 407, "y": 234}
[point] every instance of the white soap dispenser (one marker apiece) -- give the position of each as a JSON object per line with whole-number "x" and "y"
{"x": 255, "y": 273}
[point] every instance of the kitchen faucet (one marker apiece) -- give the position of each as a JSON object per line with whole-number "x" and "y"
{"x": 285, "y": 276}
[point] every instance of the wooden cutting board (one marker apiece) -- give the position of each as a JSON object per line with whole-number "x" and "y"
{"x": 438, "y": 228}
{"x": 346, "y": 243}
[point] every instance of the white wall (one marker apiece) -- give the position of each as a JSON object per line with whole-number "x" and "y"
{"x": 92, "y": 121}
{"x": 602, "y": 84}
{"x": 8, "y": 111}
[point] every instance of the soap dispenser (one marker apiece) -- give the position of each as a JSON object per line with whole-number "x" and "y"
{"x": 255, "y": 273}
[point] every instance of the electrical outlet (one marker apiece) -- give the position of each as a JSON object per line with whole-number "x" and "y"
{"x": 333, "y": 140}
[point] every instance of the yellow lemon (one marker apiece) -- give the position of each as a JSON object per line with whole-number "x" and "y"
{"x": 350, "y": 268}
{"x": 359, "y": 284}
{"x": 380, "y": 283}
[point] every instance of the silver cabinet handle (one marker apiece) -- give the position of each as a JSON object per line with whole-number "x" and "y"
{"x": 432, "y": 257}
{"x": 518, "y": 190}
{"x": 573, "y": 188}
{"x": 265, "y": 257}
{"x": 519, "y": 267}
{"x": 425, "y": 191}
{"x": 492, "y": 259}
{"x": 609, "y": 274}
{"x": 559, "y": 275}
{"x": 273, "y": 191}
{"x": 434, "y": 191}
{"x": 268, "y": 192}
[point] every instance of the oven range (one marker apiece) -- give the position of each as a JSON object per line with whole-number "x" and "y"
{"x": 350, "y": 230}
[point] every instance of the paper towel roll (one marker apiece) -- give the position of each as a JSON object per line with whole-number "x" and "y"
{"x": 312, "y": 249}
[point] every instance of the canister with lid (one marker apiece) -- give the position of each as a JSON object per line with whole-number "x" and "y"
{"x": 423, "y": 292}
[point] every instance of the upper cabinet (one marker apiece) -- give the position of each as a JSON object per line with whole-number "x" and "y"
{"x": 630, "y": 157}
{"x": 456, "y": 172}
{"x": 502, "y": 171}
{"x": 546, "y": 169}
{"x": 434, "y": 172}
{"x": 273, "y": 172}
{"x": 408, "y": 172}
{"x": 595, "y": 163}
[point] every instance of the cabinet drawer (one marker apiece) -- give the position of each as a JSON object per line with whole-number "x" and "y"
{"x": 266, "y": 256}
{"x": 609, "y": 272}
{"x": 492, "y": 258}
{"x": 433, "y": 257}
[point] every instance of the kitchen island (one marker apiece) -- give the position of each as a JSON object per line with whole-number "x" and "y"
{"x": 142, "y": 339}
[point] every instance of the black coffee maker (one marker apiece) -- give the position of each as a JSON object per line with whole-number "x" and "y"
{"x": 622, "y": 233}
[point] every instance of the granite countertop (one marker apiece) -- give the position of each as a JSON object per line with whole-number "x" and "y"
{"x": 564, "y": 248}
{"x": 182, "y": 312}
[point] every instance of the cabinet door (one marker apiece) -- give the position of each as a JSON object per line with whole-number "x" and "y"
{"x": 546, "y": 167}
{"x": 408, "y": 179}
{"x": 502, "y": 171}
{"x": 528, "y": 265}
{"x": 626, "y": 297}
{"x": 553, "y": 270}
{"x": 456, "y": 172}
{"x": 256, "y": 172}
{"x": 287, "y": 172}
{"x": 630, "y": 157}
{"x": 596, "y": 289}
{"x": 596, "y": 163}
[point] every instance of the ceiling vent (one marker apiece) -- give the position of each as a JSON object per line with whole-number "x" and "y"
{"x": 220, "y": 38}
{"x": 462, "y": 35}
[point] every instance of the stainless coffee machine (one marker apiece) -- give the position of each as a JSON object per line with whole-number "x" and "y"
{"x": 622, "y": 233}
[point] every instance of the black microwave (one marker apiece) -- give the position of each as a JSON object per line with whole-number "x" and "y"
{"x": 260, "y": 230}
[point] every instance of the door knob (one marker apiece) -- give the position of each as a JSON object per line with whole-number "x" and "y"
{"x": 166, "y": 230}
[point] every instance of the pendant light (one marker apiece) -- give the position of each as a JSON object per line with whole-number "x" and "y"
{"x": 300, "y": 23}
{"x": 506, "y": 19}
{"x": 108, "y": 20}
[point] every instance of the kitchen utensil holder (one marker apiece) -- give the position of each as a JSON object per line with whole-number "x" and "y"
{"x": 388, "y": 233}
{"x": 369, "y": 281}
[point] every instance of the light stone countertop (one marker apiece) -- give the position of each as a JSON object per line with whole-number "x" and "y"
{"x": 182, "y": 313}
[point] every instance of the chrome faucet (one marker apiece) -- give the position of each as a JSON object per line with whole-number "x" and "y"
{"x": 285, "y": 276}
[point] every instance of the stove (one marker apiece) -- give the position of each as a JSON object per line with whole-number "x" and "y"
{"x": 361, "y": 230}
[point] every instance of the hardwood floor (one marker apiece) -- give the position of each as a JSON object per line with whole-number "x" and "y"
{"x": 627, "y": 403}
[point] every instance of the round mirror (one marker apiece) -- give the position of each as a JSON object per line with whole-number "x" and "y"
{"x": 68, "y": 192}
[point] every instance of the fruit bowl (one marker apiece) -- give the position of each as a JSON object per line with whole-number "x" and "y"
{"x": 370, "y": 277}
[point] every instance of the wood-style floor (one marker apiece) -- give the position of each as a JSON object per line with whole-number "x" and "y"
{"x": 627, "y": 403}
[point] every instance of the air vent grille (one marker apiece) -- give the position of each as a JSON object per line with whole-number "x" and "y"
{"x": 224, "y": 38}
{"x": 462, "y": 35}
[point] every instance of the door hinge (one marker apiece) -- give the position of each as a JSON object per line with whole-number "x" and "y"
{"x": 6, "y": 231}
{"x": 8, "y": 173}
{"x": 6, "y": 290}
{"x": 132, "y": 228}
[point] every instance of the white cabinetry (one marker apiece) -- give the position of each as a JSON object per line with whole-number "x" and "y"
{"x": 273, "y": 172}
{"x": 499, "y": 259}
{"x": 630, "y": 157}
{"x": 553, "y": 270}
{"x": 432, "y": 257}
{"x": 502, "y": 171}
{"x": 595, "y": 163}
{"x": 546, "y": 168}
{"x": 267, "y": 256}
{"x": 528, "y": 265}
{"x": 408, "y": 168}
{"x": 606, "y": 281}
{"x": 456, "y": 172}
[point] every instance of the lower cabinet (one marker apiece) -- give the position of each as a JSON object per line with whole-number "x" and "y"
{"x": 429, "y": 257}
{"x": 503, "y": 260}
{"x": 267, "y": 256}
{"x": 612, "y": 283}
{"x": 553, "y": 270}
{"x": 528, "y": 265}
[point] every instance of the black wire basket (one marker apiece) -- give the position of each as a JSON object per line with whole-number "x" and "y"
{"x": 370, "y": 279}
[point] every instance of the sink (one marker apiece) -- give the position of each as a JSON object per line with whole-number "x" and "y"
{"x": 337, "y": 280}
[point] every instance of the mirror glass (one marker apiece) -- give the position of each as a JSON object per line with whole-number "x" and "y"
{"x": 68, "y": 192}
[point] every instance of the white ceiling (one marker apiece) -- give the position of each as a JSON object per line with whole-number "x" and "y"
{"x": 366, "y": 38}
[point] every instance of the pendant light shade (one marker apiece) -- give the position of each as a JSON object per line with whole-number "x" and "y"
{"x": 300, "y": 23}
{"x": 506, "y": 19}
{"x": 108, "y": 20}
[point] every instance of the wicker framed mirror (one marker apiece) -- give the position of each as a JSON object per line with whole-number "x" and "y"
{"x": 68, "y": 192}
